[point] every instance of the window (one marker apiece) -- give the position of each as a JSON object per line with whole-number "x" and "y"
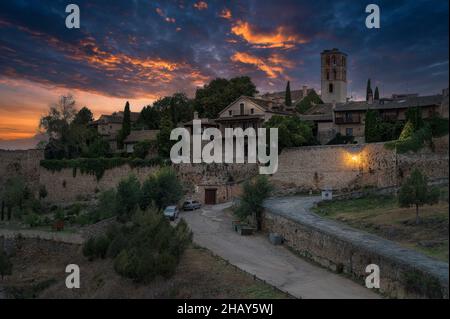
{"x": 328, "y": 75}
{"x": 230, "y": 113}
{"x": 330, "y": 88}
{"x": 349, "y": 131}
{"x": 335, "y": 74}
{"x": 333, "y": 60}
{"x": 242, "y": 108}
{"x": 252, "y": 111}
{"x": 348, "y": 116}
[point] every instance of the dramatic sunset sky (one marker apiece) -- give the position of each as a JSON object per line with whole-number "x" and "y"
{"x": 140, "y": 50}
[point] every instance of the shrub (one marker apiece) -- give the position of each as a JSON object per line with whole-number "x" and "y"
{"x": 253, "y": 196}
{"x": 96, "y": 247}
{"x": 163, "y": 189}
{"x": 128, "y": 196}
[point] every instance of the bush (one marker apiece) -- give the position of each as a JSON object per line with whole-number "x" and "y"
{"x": 128, "y": 196}
{"x": 253, "y": 196}
{"x": 163, "y": 189}
{"x": 96, "y": 247}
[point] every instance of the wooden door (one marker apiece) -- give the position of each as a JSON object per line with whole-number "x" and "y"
{"x": 210, "y": 196}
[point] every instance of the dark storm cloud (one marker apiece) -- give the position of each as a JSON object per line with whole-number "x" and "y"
{"x": 133, "y": 48}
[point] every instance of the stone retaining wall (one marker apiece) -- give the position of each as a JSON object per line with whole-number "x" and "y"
{"x": 403, "y": 273}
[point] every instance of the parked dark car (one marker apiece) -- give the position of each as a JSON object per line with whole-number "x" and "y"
{"x": 171, "y": 212}
{"x": 191, "y": 205}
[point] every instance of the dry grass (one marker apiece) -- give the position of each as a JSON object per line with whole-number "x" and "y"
{"x": 39, "y": 273}
{"x": 382, "y": 216}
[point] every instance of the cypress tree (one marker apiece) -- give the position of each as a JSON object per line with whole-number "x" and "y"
{"x": 126, "y": 126}
{"x": 376, "y": 95}
{"x": 369, "y": 90}
{"x": 287, "y": 99}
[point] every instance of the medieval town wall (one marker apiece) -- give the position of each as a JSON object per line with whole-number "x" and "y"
{"x": 351, "y": 167}
{"x": 341, "y": 167}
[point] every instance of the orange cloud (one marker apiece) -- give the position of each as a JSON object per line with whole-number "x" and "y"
{"x": 271, "y": 71}
{"x": 226, "y": 14}
{"x": 201, "y": 5}
{"x": 280, "y": 38}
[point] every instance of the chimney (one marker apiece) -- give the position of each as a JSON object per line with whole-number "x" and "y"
{"x": 305, "y": 90}
{"x": 196, "y": 115}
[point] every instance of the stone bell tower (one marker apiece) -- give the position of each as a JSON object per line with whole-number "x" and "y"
{"x": 333, "y": 76}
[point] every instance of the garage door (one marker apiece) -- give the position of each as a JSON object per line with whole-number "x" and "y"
{"x": 210, "y": 196}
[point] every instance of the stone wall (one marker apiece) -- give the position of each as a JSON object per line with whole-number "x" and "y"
{"x": 24, "y": 163}
{"x": 63, "y": 186}
{"x": 352, "y": 167}
{"x": 411, "y": 277}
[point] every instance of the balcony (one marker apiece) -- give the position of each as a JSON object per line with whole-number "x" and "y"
{"x": 355, "y": 119}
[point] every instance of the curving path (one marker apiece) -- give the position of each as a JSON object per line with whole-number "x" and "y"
{"x": 275, "y": 264}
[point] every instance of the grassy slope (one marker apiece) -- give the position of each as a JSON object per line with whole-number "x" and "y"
{"x": 39, "y": 273}
{"x": 382, "y": 216}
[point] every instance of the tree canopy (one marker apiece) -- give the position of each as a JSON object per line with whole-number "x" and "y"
{"x": 308, "y": 101}
{"x": 219, "y": 93}
{"x": 292, "y": 131}
{"x": 416, "y": 192}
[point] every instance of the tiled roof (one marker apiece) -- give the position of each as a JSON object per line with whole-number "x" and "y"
{"x": 319, "y": 112}
{"x": 386, "y": 104}
{"x": 142, "y": 135}
{"x": 296, "y": 95}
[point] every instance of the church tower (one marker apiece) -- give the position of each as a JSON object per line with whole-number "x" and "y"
{"x": 333, "y": 76}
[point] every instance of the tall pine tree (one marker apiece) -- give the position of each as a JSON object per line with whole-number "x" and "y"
{"x": 368, "y": 90}
{"x": 376, "y": 96}
{"x": 287, "y": 98}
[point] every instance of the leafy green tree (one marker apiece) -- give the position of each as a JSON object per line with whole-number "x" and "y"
{"x": 14, "y": 194}
{"x": 308, "y": 101}
{"x": 292, "y": 131}
{"x": 142, "y": 148}
{"x": 162, "y": 189}
{"x": 376, "y": 95}
{"x": 128, "y": 196}
{"x": 83, "y": 117}
{"x": 163, "y": 139}
{"x": 149, "y": 118}
{"x": 254, "y": 193}
{"x": 177, "y": 107}
{"x": 287, "y": 98}
{"x": 5, "y": 264}
{"x": 416, "y": 192}
{"x": 219, "y": 93}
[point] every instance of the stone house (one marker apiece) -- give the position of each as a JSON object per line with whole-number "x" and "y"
{"x": 348, "y": 118}
{"x": 296, "y": 97}
{"x": 139, "y": 136}
{"x": 108, "y": 126}
{"x": 248, "y": 111}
